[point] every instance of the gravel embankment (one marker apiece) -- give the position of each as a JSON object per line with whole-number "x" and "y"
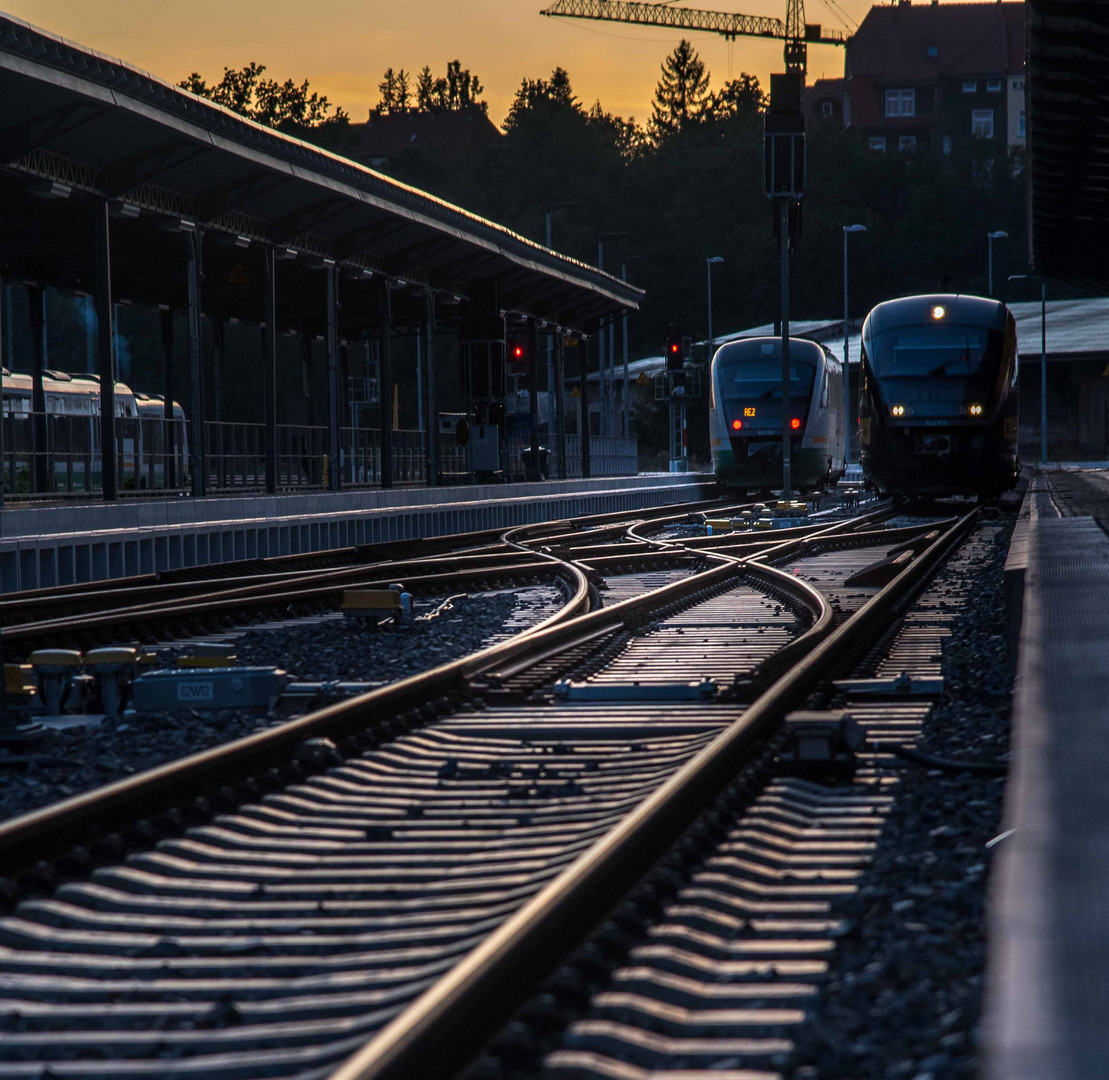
{"x": 64, "y": 763}
{"x": 903, "y": 997}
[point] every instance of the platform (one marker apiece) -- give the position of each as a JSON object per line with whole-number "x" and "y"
{"x": 1048, "y": 943}
{"x": 60, "y": 544}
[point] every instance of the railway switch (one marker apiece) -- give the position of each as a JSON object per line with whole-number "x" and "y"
{"x": 54, "y": 671}
{"x": 114, "y": 668}
{"x": 207, "y": 688}
{"x": 819, "y": 744}
{"x": 369, "y": 604}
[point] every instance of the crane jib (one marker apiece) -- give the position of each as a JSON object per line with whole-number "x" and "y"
{"x": 721, "y": 22}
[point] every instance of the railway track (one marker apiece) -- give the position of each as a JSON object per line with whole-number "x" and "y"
{"x": 399, "y": 831}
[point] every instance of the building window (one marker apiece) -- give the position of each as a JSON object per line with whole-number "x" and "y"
{"x": 981, "y": 123}
{"x": 933, "y": 51}
{"x": 993, "y": 85}
{"x": 1018, "y": 84}
{"x": 900, "y": 103}
{"x": 827, "y": 109}
{"x": 907, "y": 143}
{"x": 1020, "y": 123}
{"x": 970, "y": 87}
{"x": 877, "y": 142}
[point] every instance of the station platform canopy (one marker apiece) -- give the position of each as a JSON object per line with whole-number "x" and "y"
{"x": 1068, "y": 140}
{"x": 77, "y": 123}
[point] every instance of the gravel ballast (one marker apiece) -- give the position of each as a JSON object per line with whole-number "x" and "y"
{"x": 321, "y": 649}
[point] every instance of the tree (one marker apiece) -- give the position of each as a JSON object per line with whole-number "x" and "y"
{"x": 395, "y": 93}
{"x": 293, "y": 108}
{"x": 682, "y": 94}
{"x": 425, "y": 90}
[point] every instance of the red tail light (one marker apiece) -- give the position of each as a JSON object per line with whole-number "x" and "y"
{"x": 736, "y": 425}
{"x": 795, "y": 423}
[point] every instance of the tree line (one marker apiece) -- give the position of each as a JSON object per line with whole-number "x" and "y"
{"x": 686, "y": 184}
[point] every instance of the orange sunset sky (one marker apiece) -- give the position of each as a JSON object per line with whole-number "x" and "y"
{"x": 342, "y": 47}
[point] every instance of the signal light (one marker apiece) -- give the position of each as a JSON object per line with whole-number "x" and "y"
{"x": 737, "y": 424}
{"x": 975, "y": 410}
{"x": 516, "y": 352}
{"x": 795, "y": 423}
{"x": 897, "y": 410}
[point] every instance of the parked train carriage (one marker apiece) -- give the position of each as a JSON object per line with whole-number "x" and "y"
{"x": 68, "y": 442}
{"x": 745, "y": 414}
{"x": 938, "y": 396}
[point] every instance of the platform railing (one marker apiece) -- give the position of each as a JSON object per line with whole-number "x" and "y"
{"x": 608, "y": 456}
{"x": 47, "y": 455}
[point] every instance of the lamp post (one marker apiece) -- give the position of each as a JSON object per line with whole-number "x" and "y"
{"x": 1043, "y": 363}
{"x": 846, "y": 366}
{"x": 991, "y": 237}
{"x": 710, "y": 262}
{"x": 624, "y": 260}
{"x": 551, "y": 208}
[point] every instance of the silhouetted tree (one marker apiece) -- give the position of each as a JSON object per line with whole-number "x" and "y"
{"x": 682, "y": 94}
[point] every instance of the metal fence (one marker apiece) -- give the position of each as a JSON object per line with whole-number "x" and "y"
{"x": 51, "y": 455}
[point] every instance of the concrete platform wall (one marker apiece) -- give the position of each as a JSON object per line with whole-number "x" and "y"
{"x": 42, "y": 546}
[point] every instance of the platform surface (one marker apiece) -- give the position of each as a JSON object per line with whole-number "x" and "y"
{"x": 59, "y": 544}
{"x": 1047, "y": 1000}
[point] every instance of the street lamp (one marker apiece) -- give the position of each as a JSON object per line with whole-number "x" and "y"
{"x": 710, "y": 262}
{"x": 991, "y": 237}
{"x": 846, "y": 367}
{"x": 1043, "y": 363}
{"x": 551, "y": 208}
{"x": 624, "y": 260}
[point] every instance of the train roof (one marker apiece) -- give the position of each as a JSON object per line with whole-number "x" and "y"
{"x": 751, "y": 347}
{"x": 957, "y": 308}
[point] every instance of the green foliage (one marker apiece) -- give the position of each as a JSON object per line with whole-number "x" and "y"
{"x": 682, "y": 95}
{"x": 454, "y": 91}
{"x": 290, "y": 107}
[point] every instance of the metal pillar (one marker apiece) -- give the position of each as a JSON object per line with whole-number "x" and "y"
{"x": 218, "y": 350}
{"x": 385, "y": 390}
{"x": 560, "y": 406}
{"x": 105, "y": 351}
{"x": 36, "y": 318}
{"x": 1043, "y": 372}
{"x": 627, "y": 425}
{"x": 333, "y": 419}
{"x": 194, "y": 250}
{"x": 169, "y": 434}
{"x": 533, "y": 394}
{"x": 583, "y": 376}
{"x": 3, "y": 453}
{"x": 432, "y": 411}
{"x": 269, "y": 371}
{"x": 787, "y": 481}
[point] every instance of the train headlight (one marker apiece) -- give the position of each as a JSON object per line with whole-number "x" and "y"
{"x": 736, "y": 425}
{"x": 938, "y": 311}
{"x": 975, "y": 410}
{"x": 795, "y": 423}
{"x": 897, "y": 410}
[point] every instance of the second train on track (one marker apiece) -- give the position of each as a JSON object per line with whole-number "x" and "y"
{"x": 745, "y": 414}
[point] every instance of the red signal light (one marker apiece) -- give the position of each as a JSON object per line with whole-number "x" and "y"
{"x": 518, "y": 351}
{"x": 795, "y": 423}
{"x": 674, "y": 346}
{"x": 736, "y": 425}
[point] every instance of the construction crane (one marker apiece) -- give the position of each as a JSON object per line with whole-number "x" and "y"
{"x": 794, "y": 31}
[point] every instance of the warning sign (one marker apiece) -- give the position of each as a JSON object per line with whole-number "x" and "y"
{"x": 239, "y": 275}
{"x": 1105, "y": 372}
{"x": 575, "y": 392}
{"x": 642, "y": 380}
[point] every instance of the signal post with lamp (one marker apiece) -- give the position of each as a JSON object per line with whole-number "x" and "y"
{"x": 676, "y": 385}
{"x": 784, "y": 182}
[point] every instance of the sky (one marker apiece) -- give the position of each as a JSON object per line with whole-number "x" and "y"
{"x": 344, "y": 54}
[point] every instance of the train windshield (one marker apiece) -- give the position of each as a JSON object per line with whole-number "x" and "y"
{"x": 931, "y": 351}
{"x": 762, "y": 380}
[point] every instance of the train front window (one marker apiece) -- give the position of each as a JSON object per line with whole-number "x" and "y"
{"x": 761, "y": 380}
{"x": 930, "y": 351}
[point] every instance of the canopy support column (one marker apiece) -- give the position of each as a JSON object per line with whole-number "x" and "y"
{"x": 169, "y": 433}
{"x": 385, "y": 387}
{"x": 105, "y": 351}
{"x": 560, "y": 406}
{"x": 432, "y": 411}
{"x": 36, "y": 317}
{"x": 333, "y": 478}
{"x": 269, "y": 371}
{"x": 194, "y": 250}
{"x": 533, "y": 395}
{"x": 583, "y": 375}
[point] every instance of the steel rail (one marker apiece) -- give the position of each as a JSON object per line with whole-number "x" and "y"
{"x": 442, "y": 1031}
{"x": 76, "y": 821}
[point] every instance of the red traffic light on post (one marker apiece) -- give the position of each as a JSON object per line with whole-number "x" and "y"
{"x": 516, "y": 351}
{"x": 675, "y": 353}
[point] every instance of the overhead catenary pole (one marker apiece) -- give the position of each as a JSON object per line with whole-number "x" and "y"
{"x": 432, "y": 405}
{"x": 385, "y": 389}
{"x": 1043, "y": 372}
{"x": 846, "y": 367}
{"x": 560, "y": 404}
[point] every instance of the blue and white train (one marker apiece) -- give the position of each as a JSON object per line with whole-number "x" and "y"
{"x": 745, "y": 414}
